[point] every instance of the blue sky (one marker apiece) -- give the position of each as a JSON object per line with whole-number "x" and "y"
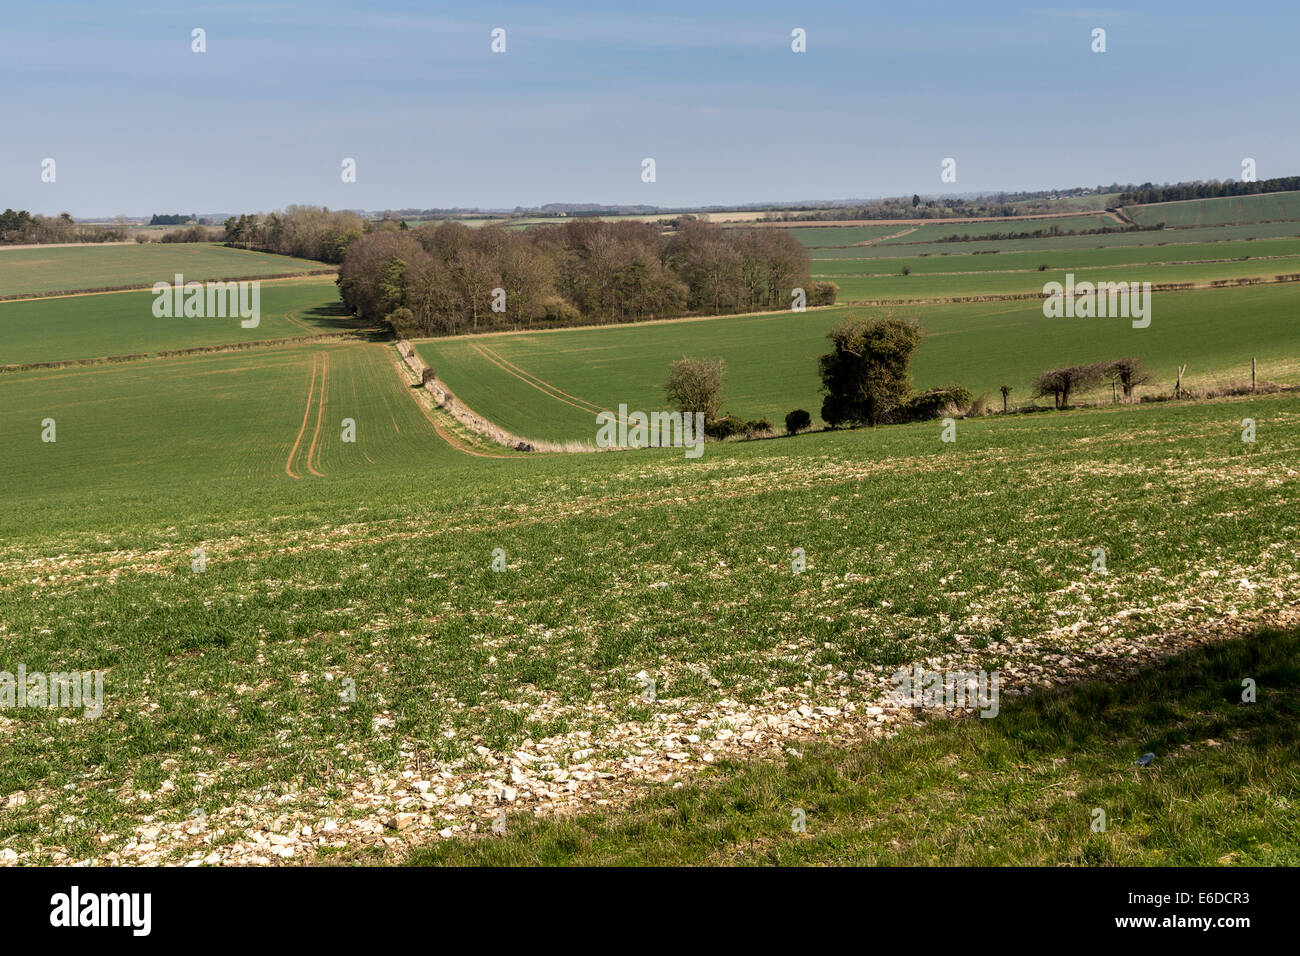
{"x": 137, "y": 123}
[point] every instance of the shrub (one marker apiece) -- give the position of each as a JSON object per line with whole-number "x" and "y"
{"x": 724, "y": 427}
{"x": 823, "y": 293}
{"x": 759, "y": 426}
{"x": 194, "y": 233}
{"x": 865, "y": 377}
{"x": 403, "y": 320}
{"x": 695, "y": 385}
{"x": 935, "y": 403}
{"x": 428, "y": 375}
{"x": 796, "y": 421}
{"x": 979, "y": 405}
{"x": 560, "y": 311}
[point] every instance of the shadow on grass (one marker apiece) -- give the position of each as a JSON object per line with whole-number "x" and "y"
{"x": 334, "y": 317}
{"x": 1050, "y": 781}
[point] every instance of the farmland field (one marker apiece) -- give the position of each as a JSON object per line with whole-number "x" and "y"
{"x": 67, "y": 269}
{"x": 313, "y": 582}
{"x": 1148, "y": 237}
{"x": 818, "y": 237}
{"x": 123, "y": 323}
{"x": 1224, "y": 210}
{"x": 545, "y": 385}
{"x": 957, "y": 260}
{"x": 947, "y": 284}
{"x": 298, "y": 630}
{"x": 233, "y": 423}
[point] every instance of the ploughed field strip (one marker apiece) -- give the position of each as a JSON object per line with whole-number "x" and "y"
{"x": 349, "y": 671}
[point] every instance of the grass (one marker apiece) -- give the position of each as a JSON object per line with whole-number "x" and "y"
{"x": 1152, "y": 237}
{"x": 123, "y": 323}
{"x": 1021, "y": 789}
{"x": 218, "y": 684}
{"x": 155, "y": 428}
{"x": 1225, "y": 210}
{"x": 69, "y": 268}
{"x": 370, "y": 562}
{"x": 957, "y": 260}
{"x": 771, "y": 357}
{"x": 824, "y": 237}
{"x": 937, "y": 286}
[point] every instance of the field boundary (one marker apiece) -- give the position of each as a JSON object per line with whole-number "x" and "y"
{"x": 415, "y": 365}
{"x": 448, "y": 402}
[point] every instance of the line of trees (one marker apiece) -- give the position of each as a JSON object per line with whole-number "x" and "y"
{"x": 19, "y": 227}
{"x": 448, "y": 278}
{"x": 1212, "y": 190}
{"x": 307, "y": 232}
{"x": 1049, "y": 232}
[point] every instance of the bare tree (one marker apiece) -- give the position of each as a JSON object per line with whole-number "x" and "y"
{"x": 1060, "y": 383}
{"x": 1129, "y": 373}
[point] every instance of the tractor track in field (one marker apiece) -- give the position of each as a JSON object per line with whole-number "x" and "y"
{"x": 320, "y": 414}
{"x": 543, "y": 386}
{"x": 879, "y": 239}
{"x": 306, "y": 415}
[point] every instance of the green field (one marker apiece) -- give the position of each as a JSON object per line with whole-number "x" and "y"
{"x": 123, "y": 323}
{"x": 70, "y": 268}
{"x": 944, "y": 285}
{"x": 1151, "y": 237}
{"x": 1226, "y": 210}
{"x": 955, "y": 261}
{"x": 974, "y": 552}
{"x": 548, "y": 375}
{"x": 347, "y": 676}
{"x": 834, "y": 237}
